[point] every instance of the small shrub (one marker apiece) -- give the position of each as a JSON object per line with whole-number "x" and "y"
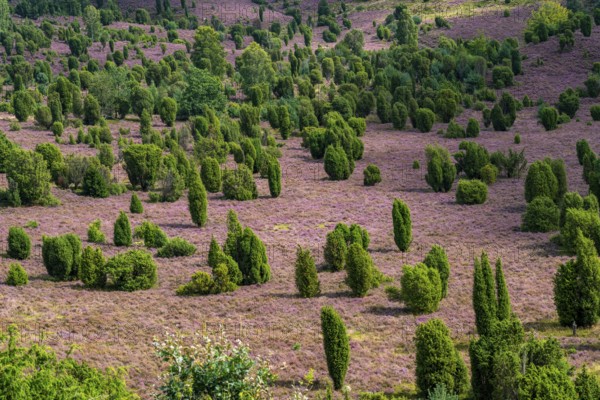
{"x": 122, "y": 231}
{"x": 176, "y": 247}
{"x": 337, "y": 165}
{"x": 549, "y": 118}
{"x": 210, "y": 172}
{"x": 488, "y": 174}
{"x": 372, "y": 175}
{"x": 542, "y": 215}
{"x": 132, "y": 270}
{"x": 274, "y": 176}
{"x": 153, "y": 236}
{"x": 568, "y": 102}
{"x": 595, "y": 112}
{"x": 62, "y": 256}
{"x": 197, "y": 200}
{"x": 19, "y": 244}
{"x": 94, "y": 233}
{"x": 239, "y": 184}
{"x": 402, "y": 225}
{"x": 135, "y": 205}
{"x": 437, "y": 259}
{"x": 307, "y": 280}
{"x": 502, "y": 77}
{"x": 471, "y": 192}
{"x": 586, "y": 221}
{"x": 336, "y": 250}
{"x": 17, "y": 276}
{"x": 540, "y": 181}
{"x": 57, "y": 129}
{"x": 92, "y": 272}
{"x": 424, "y": 119}
{"x": 472, "y": 128}
{"x": 416, "y": 164}
{"x": 399, "y": 115}
{"x": 421, "y": 288}
{"x": 441, "y": 171}
{"x": 517, "y": 139}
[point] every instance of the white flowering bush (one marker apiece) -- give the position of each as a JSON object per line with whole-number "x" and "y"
{"x": 216, "y": 369}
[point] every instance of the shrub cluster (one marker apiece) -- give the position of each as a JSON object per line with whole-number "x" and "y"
{"x": 62, "y": 256}
{"x": 338, "y": 242}
{"x": 471, "y": 192}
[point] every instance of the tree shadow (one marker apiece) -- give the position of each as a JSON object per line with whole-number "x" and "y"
{"x": 385, "y": 311}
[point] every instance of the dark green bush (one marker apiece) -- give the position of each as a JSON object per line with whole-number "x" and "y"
{"x": 471, "y": 158}
{"x": 43, "y": 116}
{"x": 542, "y": 215}
{"x": 19, "y": 243}
{"x": 540, "y": 181}
{"x": 471, "y": 192}
{"x": 307, "y": 280}
{"x": 153, "y": 236}
{"x": 587, "y": 385}
{"x": 91, "y": 110}
{"x": 62, "y": 256}
{"x": 472, "y": 128}
{"x": 142, "y": 163}
{"x": 549, "y": 118}
{"x": 336, "y": 250}
{"x": 399, "y": 115}
{"x": 132, "y": 270}
{"x": 57, "y": 129}
{"x": 95, "y": 180}
{"x": 498, "y": 119}
{"x": 441, "y": 171}
{"x": 92, "y": 272}
{"x": 402, "y": 225}
{"x": 568, "y": 103}
{"x": 28, "y": 177}
{"x": 454, "y": 130}
{"x": 585, "y": 220}
{"x": 239, "y": 184}
{"x": 359, "y": 267}
{"x": 274, "y": 175}
{"x": 336, "y": 345}
{"x": 217, "y": 256}
{"x": 372, "y": 175}
{"x": 17, "y": 276}
{"x": 502, "y": 77}
{"x": 204, "y": 284}
{"x": 210, "y": 173}
{"x": 135, "y": 205}
{"x": 437, "y": 259}
{"x": 421, "y": 288}
{"x": 122, "y": 231}
{"x": 595, "y": 112}
{"x": 337, "y": 165}
{"x": 424, "y": 119}
{"x": 176, "y": 247}
{"x": 168, "y": 111}
{"x": 197, "y": 200}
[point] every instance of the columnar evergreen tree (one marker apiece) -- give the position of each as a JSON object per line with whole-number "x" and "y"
{"x": 503, "y": 311}
{"x": 540, "y": 181}
{"x": 197, "y": 200}
{"x": 483, "y": 304}
{"x": 438, "y": 362}
{"x": 210, "y": 172}
{"x": 421, "y": 288}
{"x": 274, "y": 172}
{"x": 336, "y": 345}
{"x": 208, "y": 51}
{"x": 307, "y": 280}
{"x": 336, "y": 250}
{"x": 360, "y": 270}
{"x": 437, "y": 258}
{"x": 402, "y": 225}
{"x": 577, "y": 286}
{"x": 135, "y": 205}
{"x": 122, "y": 231}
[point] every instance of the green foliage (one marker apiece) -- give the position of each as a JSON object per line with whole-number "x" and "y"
{"x": 438, "y": 362}
{"x": 197, "y": 200}
{"x": 471, "y": 159}
{"x": 424, "y": 119}
{"x": 471, "y": 192}
{"x": 28, "y": 177}
{"x": 168, "y": 110}
{"x": 402, "y": 225}
{"x": 587, "y": 221}
{"x": 549, "y": 118}
{"x": 546, "y": 381}
{"x": 484, "y": 295}
{"x": 43, "y": 116}
{"x": 399, "y": 116}
{"x": 502, "y": 77}
{"x": 132, "y": 270}
{"x": 19, "y": 243}
{"x": 202, "y": 89}
{"x": 16, "y": 276}
{"x": 587, "y": 385}
{"x": 176, "y": 247}
{"x": 421, "y": 288}
{"x": 95, "y": 180}
{"x": 406, "y": 29}
{"x": 91, "y": 110}
{"x": 337, "y": 165}
{"x": 503, "y": 309}
{"x": 204, "y": 284}
{"x": 255, "y": 67}
{"x": 37, "y": 373}
{"x": 441, "y": 171}
{"x": 92, "y": 272}
{"x": 212, "y": 368}
{"x": 336, "y": 345}
{"x": 106, "y": 156}
{"x": 239, "y": 184}
{"x": 23, "y": 105}
{"x": 135, "y": 205}
{"x": 94, "y": 233}
{"x": 210, "y": 172}
{"x": 359, "y": 266}
{"x": 372, "y": 175}
{"x": 498, "y": 119}
{"x": 208, "y": 52}
{"x": 595, "y": 112}
{"x": 577, "y": 286}
{"x": 274, "y": 175}
{"x": 151, "y": 234}
{"x": 472, "y": 128}
{"x": 217, "y": 256}
{"x": 336, "y": 250}
{"x": 488, "y": 174}
{"x": 62, "y": 256}
{"x": 568, "y": 103}
{"x": 142, "y": 163}
{"x": 540, "y": 181}
{"x": 542, "y": 215}
{"x": 437, "y": 259}
{"x": 122, "y": 231}
{"x": 307, "y": 280}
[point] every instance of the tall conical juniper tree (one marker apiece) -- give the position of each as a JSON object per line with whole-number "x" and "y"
{"x": 504, "y": 309}
{"x": 197, "y": 200}
{"x": 402, "y": 225}
{"x": 307, "y": 280}
{"x": 490, "y": 285}
{"x": 122, "y": 231}
{"x": 482, "y": 303}
{"x": 336, "y": 345}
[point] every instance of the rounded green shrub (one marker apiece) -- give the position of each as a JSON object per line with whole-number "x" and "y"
{"x": 471, "y": 192}
{"x": 94, "y": 233}
{"x": 549, "y": 118}
{"x": 421, "y": 288}
{"x": 132, "y": 270}
{"x": 542, "y": 215}
{"x": 441, "y": 171}
{"x": 95, "y": 181}
{"x": 210, "y": 172}
{"x": 372, "y": 175}
{"x": 92, "y": 272}
{"x": 424, "y": 119}
{"x": 122, "y": 231}
{"x": 135, "y": 205}
{"x": 253, "y": 261}
{"x": 142, "y": 163}
{"x": 359, "y": 267}
{"x": 336, "y": 250}
{"x": 57, "y": 129}
{"x": 176, "y": 247}
{"x": 307, "y": 280}
{"x": 168, "y": 110}
{"x": 62, "y": 256}
{"x": 402, "y": 225}
{"x": 152, "y": 235}
{"x": 197, "y": 200}
{"x": 568, "y": 102}
{"x": 239, "y": 184}
{"x": 540, "y": 181}
{"x": 336, "y": 345}
{"x": 19, "y": 243}
{"x": 502, "y": 77}
{"x": 399, "y": 115}
{"x": 586, "y": 221}
{"x": 595, "y": 112}
{"x": 337, "y": 165}
{"x": 498, "y": 119}
{"x": 17, "y": 276}
{"x": 472, "y": 128}
{"x": 488, "y": 174}
{"x": 437, "y": 259}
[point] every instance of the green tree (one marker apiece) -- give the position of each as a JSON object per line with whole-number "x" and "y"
{"x": 16, "y": 276}
{"x": 23, "y": 105}
{"x": 91, "y": 19}
{"x": 201, "y": 89}
{"x": 336, "y": 250}
{"x": 336, "y": 345}
{"x": 437, "y": 259}
{"x": 484, "y": 295}
{"x": 274, "y": 175}
{"x": 135, "y": 205}
{"x": 254, "y": 66}
{"x": 168, "y": 111}
{"x": 142, "y": 164}
{"x": 402, "y": 225}
{"x": 19, "y": 243}
{"x": 441, "y": 171}
{"x": 92, "y": 272}
{"x": 210, "y": 172}
{"x": 132, "y": 270}
{"x": 540, "y": 181}
{"x": 307, "y": 280}
{"x": 421, "y": 288}
{"x": 503, "y": 311}
{"x": 359, "y": 267}
{"x": 122, "y": 231}
{"x": 406, "y": 30}
{"x": 28, "y": 177}
{"x": 438, "y": 362}
{"x": 208, "y": 52}
{"x": 587, "y": 385}
{"x": 197, "y": 200}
